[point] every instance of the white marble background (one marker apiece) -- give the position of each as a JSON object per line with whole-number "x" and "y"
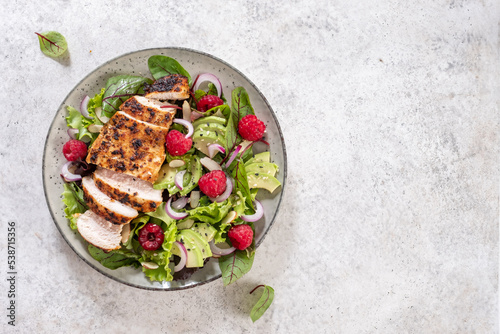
{"x": 389, "y": 109}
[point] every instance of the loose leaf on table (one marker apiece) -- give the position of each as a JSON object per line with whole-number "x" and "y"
{"x": 263, "y": 303}
{"x": 235, "y": 265}
{"x": 161, "y": 66}
{"x": 115, "y": 258}
{"x": 119, "y": 89}
{"x": 52, "y": 43}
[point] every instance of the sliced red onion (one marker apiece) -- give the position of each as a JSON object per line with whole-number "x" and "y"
{"x": 186, "y": 111}
{"x": 259, "y": 212}
{"x": 182, "y": 262}
{"x": 179, "y": 179}
{"x": 210, "y": 164}
{"x": 67, "y": 175}
{"x": 176, "y": 163}
{"x": 208, "y": 77}
{"x": 214, "y": 148}
{"x": 187, "y": 124}
{"x": 220, "y": 251}
{"x": 83, "y": 107}
{"x": 194, "y": 199}
{"x": 173, "y": 214}
{"x": 94, "y": 128}
{"x": 100, "y": 116}
{"x": 180, "y": 203}
{"x": 72, "y": 133}
{"x": 233, "y": 156}
{"x": 226, "y": 193}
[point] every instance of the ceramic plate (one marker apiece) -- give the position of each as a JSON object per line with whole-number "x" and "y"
{"x": 135, "y": 63}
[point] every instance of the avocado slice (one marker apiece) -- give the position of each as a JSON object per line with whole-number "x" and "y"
{"x": 209, "y": 120}
{"x": 262, "y": 167}
{"x": 196, "y": 171}
{"x": 188, "y": 223}
{"x": 220, "y": 129}
{"x": 206, "y": 230}
{"x": 262, "y": 180}
{"x": 259, "y": 157}
{"x": 202, "y": 139}
{"x": 199, "y": 242}
{"x": 166, "y": 177}
{"x": 194, "y": 256}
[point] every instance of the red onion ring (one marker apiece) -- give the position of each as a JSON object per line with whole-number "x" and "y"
{"x": 83, "y": 107}
{"x": 259, "y": 212}
{"x": 210, "y": 164}
{"x": 67, "y": 175}
{"x": 72, "y": 133}
{"x": 220, "y": 251}
{"x": 182, "y": 262}
{"x": 179, "y": 179}
{"x": 233, "y": 156}
{"x": 226, "y": 193}
{"x": 214, "y": 148}
{"x": 201, "y": 78}
{"x": 180, "y": 203}
{"x": 187, "y": 124}
{"x": 173, "y": 214}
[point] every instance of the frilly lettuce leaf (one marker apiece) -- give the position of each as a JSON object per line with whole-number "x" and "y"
{"x": 72, "y": 198}
{"x": 210, "y": 213}
{"x": 75, "y": 120}
{"x": 94, "y": 103}
{"x": 161, "y": 257}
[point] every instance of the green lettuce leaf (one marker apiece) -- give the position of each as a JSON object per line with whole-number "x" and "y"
{"x": 210, "y": 213}
{"x": 94, "y": 103}
{"x": 235, "y": 265}
{"x": 76, "y": 120}
{"x": 161, "y": 214}
{"x": 115, "y": 258}
{"x": 263, "y": 303}
{"x": 72, "y": 198}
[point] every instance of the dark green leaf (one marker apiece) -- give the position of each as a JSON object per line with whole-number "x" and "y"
{"x": 119, "y": 89}
{"x": 161, "y": 66}
{"x": 240, "y": 103}
{"x": 74, "y": 202}
{"x": 115, "y": 258}
{"x": 235, "y": 265}
{"x": 240, "y": 177}
{"x": 263, "y": 303}
{"x": 52, "y": 43}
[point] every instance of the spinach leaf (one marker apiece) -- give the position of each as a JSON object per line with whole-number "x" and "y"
{"x": 119, "y": 89}
{"x": 235, "y": 265}
{"x": 115, "y": 258}
{"x": 240, "y": 107}
{"x": 52, "y": 43}
{"x": 263, "y": 303}
{"x": 161, "y": 66}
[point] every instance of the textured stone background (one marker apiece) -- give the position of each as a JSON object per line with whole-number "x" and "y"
{"x": 389, "y": 110}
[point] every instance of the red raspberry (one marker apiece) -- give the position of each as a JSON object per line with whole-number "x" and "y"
{"x": 213, "y": 184}
{"x": 151, "y": 237}
{"x": 74, "y": 150}
{"x": 241, "y": 236}
{"x": 177, "y": 143}
{"x": 251, "y": 128}
{"x": 208, "y": 102}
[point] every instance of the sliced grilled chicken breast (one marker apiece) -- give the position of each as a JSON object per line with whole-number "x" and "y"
{"x": 105, "y": 206}
{"x": 148, "y": 110}
{"x": 128, "y": 145}
{"x": 128, "y": 190}
{"x": 98, "y": 231}
{"x": 170, "y": 87}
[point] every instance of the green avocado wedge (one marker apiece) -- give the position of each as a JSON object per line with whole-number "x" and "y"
{"x": 194, "y": 255}
{"x": 264, "y": 181}
{"x": 206, "y": 230}
{"x": 262, "y": 167}
{"x": 259, "y": 157}
{"x": 202, "y": 139}
{"x": 208, "y": 121}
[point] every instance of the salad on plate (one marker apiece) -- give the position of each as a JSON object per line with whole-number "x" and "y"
{"x": 161, "y": 173}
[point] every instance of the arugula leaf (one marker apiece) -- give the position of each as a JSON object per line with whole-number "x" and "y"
{"x": 52, "y": 43}
{"x": 119, "y": 89}
{"x": 74, "y": 202}
{"x": 240, "y": 176}
{"x": 235, "y": 265}
{"x": 263, "y": 303}
{"x": 76, "y": 120}
{"x": 115, "y": 258}
{"x": 161, "y": 66}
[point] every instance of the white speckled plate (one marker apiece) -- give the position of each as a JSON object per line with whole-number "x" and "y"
{"x": 135, "y": 63}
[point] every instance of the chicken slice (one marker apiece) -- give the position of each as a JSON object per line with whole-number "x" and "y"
{"x": 128, "y": 190}
{"x": 170, "y": 87}
{"x": 128, "y": 145}
{"x": 105, "y": 206}
{"x": 98, "y": 231}
{"x": 148, "y": 110}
